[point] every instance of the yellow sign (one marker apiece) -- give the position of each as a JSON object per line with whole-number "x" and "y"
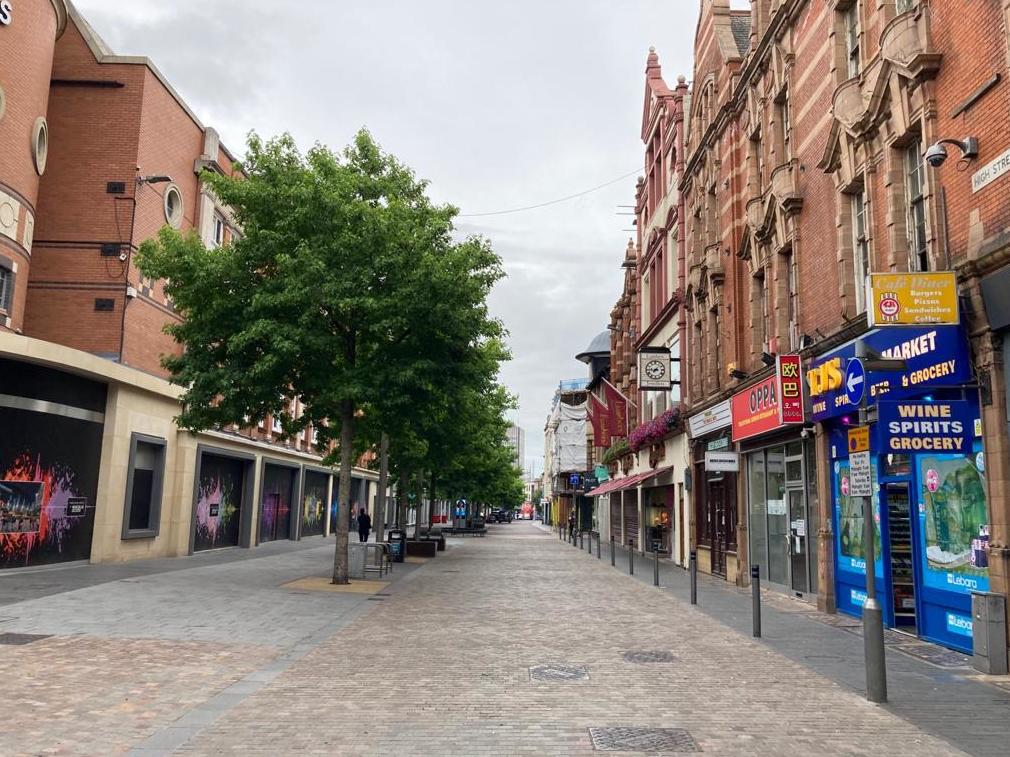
{"x": 911, "y": 299}
{"x": 859, "y": 439}
{"x": 825, "y": 378}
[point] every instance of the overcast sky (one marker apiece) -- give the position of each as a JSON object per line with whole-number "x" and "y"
{"x": 499, "y": 104}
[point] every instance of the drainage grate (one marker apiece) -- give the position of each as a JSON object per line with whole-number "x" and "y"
{"x": 934, "y": 655}
{"x": 20, "y": 639}
{"x": 644, "y": 658}
{"x": 642, "y": 739}
{"x": 559, "y": 673}
{"x": 376, "y": 599}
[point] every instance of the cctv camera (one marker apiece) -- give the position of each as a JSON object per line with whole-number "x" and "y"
{"x": 936, "y": 155}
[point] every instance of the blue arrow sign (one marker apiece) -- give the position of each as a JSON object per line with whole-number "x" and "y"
{"x": 855, "y": 381}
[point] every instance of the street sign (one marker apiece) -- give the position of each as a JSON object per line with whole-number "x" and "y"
{"x": 855, "y": 381}
{"x": 860, "y": 483}
{"x": 859, "y": 439}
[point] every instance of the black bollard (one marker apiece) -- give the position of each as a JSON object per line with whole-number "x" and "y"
{"x": 694, "y": 576}
{"x": 613, "y": 552}
{"x": 655, "y": 565}
{"x": 631, "y": 558}
{"x": 755, "y": 593}
{"x": 599, "y": 546}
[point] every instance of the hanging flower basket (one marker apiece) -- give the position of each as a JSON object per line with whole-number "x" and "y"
{"x": 655, "y": 431}
{"x": 616, "y": 451}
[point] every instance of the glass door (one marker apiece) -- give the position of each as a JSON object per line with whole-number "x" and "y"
{"x": 778, "y": 518}
{"x": 797, "y": 540}
{"x": 899, "y": 527}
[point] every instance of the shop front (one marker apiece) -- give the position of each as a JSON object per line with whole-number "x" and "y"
{"x": 223, "y": 502}
{"x": 51, "y": 431}
{"x": 315, "y": 494}
{"x": 714, "y": 490}
{"x": 927, "y": 476}
{"x": 279, "y": 492}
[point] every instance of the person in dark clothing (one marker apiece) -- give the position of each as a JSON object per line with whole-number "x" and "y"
{"x": 571, "y": 524}
{"x": 364, "y": 525}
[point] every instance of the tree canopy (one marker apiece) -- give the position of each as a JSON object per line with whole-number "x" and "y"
{"x": 347, "y": 290}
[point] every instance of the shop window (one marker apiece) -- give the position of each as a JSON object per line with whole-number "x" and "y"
{"x": 6, "y": 286}
{"x": 916, "y": 208}
{"x": 758, "y": 510}
{"x": 860, "y": 248}
{"x": 144, "y": 484}
{"x": 898, "y": 465}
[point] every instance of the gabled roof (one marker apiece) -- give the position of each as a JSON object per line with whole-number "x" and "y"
{"x": 656, "y": 90}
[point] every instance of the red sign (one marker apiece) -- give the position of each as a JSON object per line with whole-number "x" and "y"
{"x": 756, "y": 409}
{"x": 790, "y": 376}
{"x": 599, "y": 416}
{"x": 618, "y": 405}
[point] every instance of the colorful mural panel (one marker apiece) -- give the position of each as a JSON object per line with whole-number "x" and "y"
{"x": 219, "y": 502}
{"x": 314, "y": 503}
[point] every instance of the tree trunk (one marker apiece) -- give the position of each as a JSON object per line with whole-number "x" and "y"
{"x": 344, "y": 496}
{"x": 380, "y": 507}
{"x": 401, "y": 502}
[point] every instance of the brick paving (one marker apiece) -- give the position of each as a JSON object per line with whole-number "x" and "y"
{"x": 442, "y": 665}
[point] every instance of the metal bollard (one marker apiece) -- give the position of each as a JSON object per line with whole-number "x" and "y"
{"x": 599, "y": 546}
{"x": 631, "y": 558}
{"x": 655, "y": 566}
{"x": 694, "y": 576}
{"x": 613, "y": 553}
{"x": 755, "y": 593}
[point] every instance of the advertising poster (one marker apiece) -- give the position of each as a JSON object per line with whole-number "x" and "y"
{"x": 219, "y": 502}
{"x": 953, "y": 524}
{"x": 48, "y": 468}
{"x": 851, "y": 540}
{"x": 314, "y": 503}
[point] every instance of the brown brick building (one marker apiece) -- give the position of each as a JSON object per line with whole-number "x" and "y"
{"x": 805, "y": 174}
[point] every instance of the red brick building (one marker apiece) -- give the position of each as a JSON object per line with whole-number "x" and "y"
{"x": 805, "y": 174}
{"x": 98, "y": 152}
{"x": 28, "y": 35}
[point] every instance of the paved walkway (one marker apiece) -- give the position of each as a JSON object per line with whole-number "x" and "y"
{"x": 514, "y": 644}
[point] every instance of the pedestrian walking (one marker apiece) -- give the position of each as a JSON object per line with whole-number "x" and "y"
{"x": 364, "y": 525}
{"x": 571, "y": 524}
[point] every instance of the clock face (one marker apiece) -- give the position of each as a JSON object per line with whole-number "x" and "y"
{"x": 655, "y": 369}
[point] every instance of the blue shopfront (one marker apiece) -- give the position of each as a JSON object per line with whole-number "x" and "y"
{"x": 928, "y": 481}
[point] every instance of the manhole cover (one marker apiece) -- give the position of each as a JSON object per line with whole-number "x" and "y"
{"x": 20, "y": 639}
{"x": 939, "y": 656}
{"x": 642, "y": 739}
{"x": 560, "y": 673}
{"x": 643, "y": 658}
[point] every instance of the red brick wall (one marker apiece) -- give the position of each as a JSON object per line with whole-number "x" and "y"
{"x": 27, "y": 50}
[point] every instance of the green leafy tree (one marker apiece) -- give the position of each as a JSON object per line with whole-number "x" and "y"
{"x": 324, "y": 297}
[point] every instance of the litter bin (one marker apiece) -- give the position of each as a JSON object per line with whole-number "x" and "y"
{"x": 988, "y": 631}
{"x": 397, "y": 544}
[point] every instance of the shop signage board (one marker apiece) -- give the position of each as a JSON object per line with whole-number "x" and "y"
{"x": 860, "y": 472}
{"x": 935, "y": 427}
{"x": 912, "y": 299}
{"x": 6, "y": 12}
{"x": 934, "y": 356}
{"x": 756, "y": 409}
{"x": 725, "y": 462}
{"x": 790, "y": 376}
{"x": 710, "y": 420}
{"x": 717, "y": 444}
{"x": 654, "y": 369}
